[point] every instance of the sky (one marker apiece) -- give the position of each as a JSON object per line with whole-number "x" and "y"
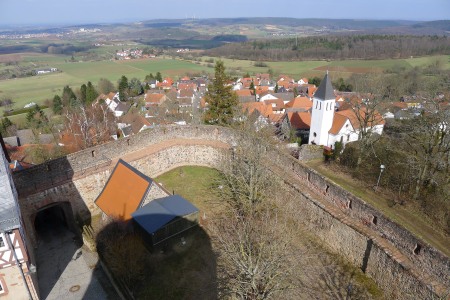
{"x": 62, "y": 12}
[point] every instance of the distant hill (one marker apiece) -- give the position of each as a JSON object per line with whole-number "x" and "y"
{"x": 336, "y": 23}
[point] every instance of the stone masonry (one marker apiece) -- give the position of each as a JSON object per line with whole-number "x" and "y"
{"x": 345, "y": 223}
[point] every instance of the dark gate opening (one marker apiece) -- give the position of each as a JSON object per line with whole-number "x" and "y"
{"x": 52, "y": 222}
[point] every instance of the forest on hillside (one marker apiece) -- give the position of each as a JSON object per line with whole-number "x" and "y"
{"x": 335, "y": 47}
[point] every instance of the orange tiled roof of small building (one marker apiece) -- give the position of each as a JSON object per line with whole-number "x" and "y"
{"x": 276, "y": 104}
{"x": 300, "y": 120}
{"x": 154, "y": 98}
{"x": 244, "y": 92}
{"x": 311, "y": 90}
{"x": 124, "y": 192}
{"x": 300, "y": 102}
{"x": 263, "y": 109}
{"x": 261, "y": 89}
{"x": 276, "y": 118}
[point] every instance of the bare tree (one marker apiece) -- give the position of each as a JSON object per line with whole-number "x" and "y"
{"x": 90, "y": 124}
{"x": 252, "y": 238}
{"x": 366, "y": 115}
{"x": 428, "y": 136}
{"x": 253, "y": 258}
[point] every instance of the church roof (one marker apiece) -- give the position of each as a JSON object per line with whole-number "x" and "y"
{"x": 325, "y": 90}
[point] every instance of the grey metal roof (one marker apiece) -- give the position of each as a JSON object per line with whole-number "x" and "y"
{"x": 9, "y": 210}
{"x": 285, "y": 96}
{"x": 12, "y": 141}
{"x": 159, "y": 212}
{"x": 26, "y": 136}
{"x": 325, "y": 90}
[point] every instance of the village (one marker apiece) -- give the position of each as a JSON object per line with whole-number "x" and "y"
{"x": 297, "y": 113}
{"x": 285, "y": 103}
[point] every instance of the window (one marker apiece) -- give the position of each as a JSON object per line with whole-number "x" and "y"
{"x": 374, "y": 220}
{"x": 349, "y": 204}
{"x": 315, "y": 134}
{"x": 417, "y": 249}
{"x": 3, "y": 243}
{"x": 348, "y": 137}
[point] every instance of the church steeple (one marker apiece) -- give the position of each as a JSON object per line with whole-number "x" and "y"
{"x": 322, "y": 112}
{"x": 325, "y": 90}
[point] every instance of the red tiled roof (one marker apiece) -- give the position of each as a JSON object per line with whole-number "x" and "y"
{"x": 263, "y": 109}
{"x": 261, "y": 89}
{"x": 401, "y": 105}
{"x": 244, "y": 92}
{"x": 276, "y": 118}
{"x": 300, "y": 102}
{"x": 311, "y": 90}
{"x": 154, "y": 99}
{"x": 338, "y": 121}
{"x": 300, "y": 120}
{"x": 276, "y": 104}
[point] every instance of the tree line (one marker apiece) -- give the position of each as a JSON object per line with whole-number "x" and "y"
{"x": 335, "y": 47}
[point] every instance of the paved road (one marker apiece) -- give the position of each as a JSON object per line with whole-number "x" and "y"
{"x": 65, "y": 269}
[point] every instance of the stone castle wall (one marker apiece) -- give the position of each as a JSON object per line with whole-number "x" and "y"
{"x": 80, "y": 177}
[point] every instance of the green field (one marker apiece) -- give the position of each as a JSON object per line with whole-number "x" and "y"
{"x": 39, "y": 88}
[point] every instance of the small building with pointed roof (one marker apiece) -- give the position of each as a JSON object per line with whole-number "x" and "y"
{"x": 126, "y": 191}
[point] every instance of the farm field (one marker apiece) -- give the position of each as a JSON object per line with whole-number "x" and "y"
{"x": 39, "y": 88}
{"x": 343, "y": 68}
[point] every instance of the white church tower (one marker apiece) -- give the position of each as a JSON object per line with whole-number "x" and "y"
{"x": 322, "y": 113}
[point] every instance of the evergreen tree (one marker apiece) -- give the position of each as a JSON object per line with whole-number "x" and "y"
{"x": 91, "y": 93}
{"x": 68, "y": 97}
{"x": 83, "y": 93}
{"x": 149, "y": 77}
{"x": 252, "y": 87}
{"x": 158, "y": 77}
{"x": 123, "y": 88}
{"x": 315, "y": 80}
{"x": 221, "y": 99}
{"x": 135, "y": 87}
{"x": 36, "y": 117}
{"x": 276, "y": 88}
{"x": 5, "y": 124}
{"x": 57, "y": 105}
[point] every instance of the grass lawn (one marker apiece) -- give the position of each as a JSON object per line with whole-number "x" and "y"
{"x": 192, "y": 183}
{"x": 412, "y": 219}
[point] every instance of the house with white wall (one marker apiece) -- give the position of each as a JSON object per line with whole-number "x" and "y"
{"x": 329, "y": 126}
